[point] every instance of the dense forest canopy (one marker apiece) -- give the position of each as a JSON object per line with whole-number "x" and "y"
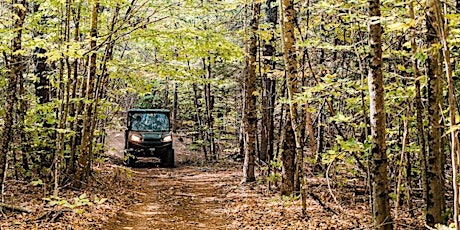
{"x": 350, "y": 90}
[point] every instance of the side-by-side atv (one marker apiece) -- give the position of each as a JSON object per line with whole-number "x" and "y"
{"x": 148, "y": 134}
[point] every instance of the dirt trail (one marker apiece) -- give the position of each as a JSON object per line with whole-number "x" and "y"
{"x": 185, "y": 197}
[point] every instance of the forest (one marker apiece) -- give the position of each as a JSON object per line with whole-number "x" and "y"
{"x": 285, "y": 114}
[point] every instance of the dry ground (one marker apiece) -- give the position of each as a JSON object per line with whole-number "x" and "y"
{"x": 194, "y": 195}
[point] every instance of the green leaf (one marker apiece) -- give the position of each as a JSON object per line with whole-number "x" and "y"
{"x": 82, "y": 196}
{"x": 37, "y": 182}
{"x": 79, "y": 211}
{"x": 401, "y": 67}
{"x": 101, "y": 201}
{"x": 397, "y": 26}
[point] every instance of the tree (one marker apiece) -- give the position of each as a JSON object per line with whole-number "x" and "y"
{"x": 379, "y": 161}
{"x": 16, "y": 66}
{"x": 435, "y": 179}
{"x": 269, "y": 85}
{"x": 250, "y": 96}
{"x": 84, "y": 161}
{"x": 290, "y": 62}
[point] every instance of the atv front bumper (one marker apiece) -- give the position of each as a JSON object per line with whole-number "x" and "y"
{"x": 146, "y": 150}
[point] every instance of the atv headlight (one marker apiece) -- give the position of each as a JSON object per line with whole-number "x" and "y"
{"x": 136, "y": 138}
{"x": 167, "y": 138}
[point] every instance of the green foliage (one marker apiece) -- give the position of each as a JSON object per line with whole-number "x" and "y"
{"x": 149, "y": 102}
{"x": 37, "y": 182}
{"x": 76, "y": 203}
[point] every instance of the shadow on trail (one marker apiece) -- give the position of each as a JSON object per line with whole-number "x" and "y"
{"x": 146, "y": 163}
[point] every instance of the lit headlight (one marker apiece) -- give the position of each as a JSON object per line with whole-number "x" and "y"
{"x": 167, "y": 138}
{"x": 136, "y": 138}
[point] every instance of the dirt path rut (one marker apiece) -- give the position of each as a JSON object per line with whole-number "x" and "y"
{"x": 185, "y": 197}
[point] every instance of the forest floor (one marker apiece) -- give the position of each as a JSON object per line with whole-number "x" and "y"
{"x": 193, "y": 195}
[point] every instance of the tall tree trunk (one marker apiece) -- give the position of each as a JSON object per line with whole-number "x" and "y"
{"x": 16, "y": 73}
{"x": 175, "y": 108}
{"x": 101, "y": 82}
{"x": 209, "y": 101}
{"x": 269, "y": 87}
{"x": 250, "y": 98}
{"x": 198, "y": 118}
{"x": 435, "y": 179}
{"x": 166, "y": 94}
{"x": 43, "y": 93}
{"x": 403, "y": 165}
{"x": 23, "y": 140}
{"x": 290, "y": 59}
{"x": 419, "y": 108}
{"x": 379, "y": 161}
{"x": 287, "y": 158}
{"x": 443, "y": 34}
{"x": 84, "y": 160}
{"x": 75, "y": 107}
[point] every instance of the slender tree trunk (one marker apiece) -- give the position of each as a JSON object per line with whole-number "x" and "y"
{"x": 43, "y": 93}
{"x": 379, "y": 161}
{"x": 250, "y": 98}
{"x": 269, "y": 87}
{"x": 288, "y": 158}
{"x": 403, "y": 162}
{"x": 198, "y": 118}
{"x": 443, "y": 34}
{"x": 288, "y": 34}
{"x": 16, "y": 73}
{"x": 175, "y": 109}
{"x": 23, "y": 140}
{"x": 435, "y": 179}
{"x": 75, "y": 107}
{"x": 209, "y": 101}
{"x": 101, "y": 81}
{"x": 419, "y": 108}
{"x": 166, "y": 94}
{"x": 84, "y": 160}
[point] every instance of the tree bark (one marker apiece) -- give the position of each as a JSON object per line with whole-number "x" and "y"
{"x": 419, "y": 108}
{"x": 175, "y": 108}
{"x": 443, "y": 34}
{"x": 250, "y": 98}
{"x": 84, "y": 160}
{"x": 198, "y": 118}
{"x": 75, "y": 107}
{"x": 209, "y": 101}
{"x": 166, "y": 94}
{"x": 269, "y": 87}
{"x": 16, "y": 73}
{"x": 435, "y": 180}
{"x": 290, "y": 60}
{"x": 287, "y": 158}
{"x": 379, "y": 161}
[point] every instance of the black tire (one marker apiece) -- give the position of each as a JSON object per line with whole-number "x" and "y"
{"x": 129, "y": 159}
{"x": 167, "y": 160}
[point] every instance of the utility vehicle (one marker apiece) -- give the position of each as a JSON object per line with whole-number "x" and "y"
{"x": 148, "y": 134}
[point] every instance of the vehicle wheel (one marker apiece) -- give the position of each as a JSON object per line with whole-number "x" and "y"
{"x": 129, "y": 159}
{"x": 167, "y": 160}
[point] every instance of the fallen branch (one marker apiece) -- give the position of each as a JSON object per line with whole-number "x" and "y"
{"x": 52, "y": 215}
{"x": 15, "y": 208}
{"x": 317, "y": 199}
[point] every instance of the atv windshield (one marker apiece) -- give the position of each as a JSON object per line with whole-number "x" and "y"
{"x": 154, "y": 122}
